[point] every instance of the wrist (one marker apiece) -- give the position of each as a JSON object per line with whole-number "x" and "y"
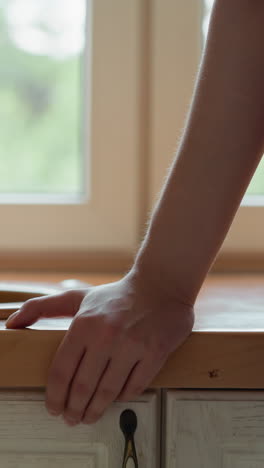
{"x": 154, "y": 277}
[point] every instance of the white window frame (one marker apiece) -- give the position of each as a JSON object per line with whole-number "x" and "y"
{"x": 108, "y": 219}
{"x": 177, "y": 41}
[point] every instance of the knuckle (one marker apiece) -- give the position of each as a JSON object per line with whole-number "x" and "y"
{"x": 113, "y": 328}
{"x": 137, "y": 390}
{"x": 107, "y": 394}
{"x": 118, "y": 303}
{"x": 131, "y": 393}
{"x": 79, "y": 324}
{"x": 86, "y": 318}
{"x": 30, "y": 302}
{"x": 58, "y": 376}
{"x": 82, "y": 388}
{"x": 74, "y": 296}
{"x": 124, "y": 397}
{"x": 69, "y": 293}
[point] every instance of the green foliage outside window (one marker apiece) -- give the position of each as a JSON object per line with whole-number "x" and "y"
{"x": 40, "y": 117}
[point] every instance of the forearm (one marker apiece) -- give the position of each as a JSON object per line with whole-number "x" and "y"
{"x": 219, "y": 152}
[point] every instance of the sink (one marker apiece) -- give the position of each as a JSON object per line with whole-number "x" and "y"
{"x": 14, "y": 294}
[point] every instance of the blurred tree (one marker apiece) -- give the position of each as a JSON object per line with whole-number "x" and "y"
{"x": 40, "y": 116}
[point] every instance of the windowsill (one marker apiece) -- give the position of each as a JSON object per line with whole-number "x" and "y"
{"x": 51, "y": 277}
{"x": 225, "y": 349}
{"x": 42, "y": 199}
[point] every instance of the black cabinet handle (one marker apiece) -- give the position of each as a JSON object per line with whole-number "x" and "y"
{"x": 128, "y": 425}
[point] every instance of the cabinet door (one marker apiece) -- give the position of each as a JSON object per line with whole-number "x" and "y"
{"x": 30, "y": 437}
{"x": 216, "y": 429}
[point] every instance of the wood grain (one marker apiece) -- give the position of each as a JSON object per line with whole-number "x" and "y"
{"x": 225, "y": 349}
{"x": 31, "y": 437}
{"x": 218, "y": 429}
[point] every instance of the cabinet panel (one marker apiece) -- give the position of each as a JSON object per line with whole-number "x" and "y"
{"x": 214, "y": 429}
{"x": 243, "y": 460}
{"x": 51, "y": 460}
{"x": 29, "y": 436}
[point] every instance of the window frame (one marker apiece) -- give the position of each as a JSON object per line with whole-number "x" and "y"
{"x": 109, "y": 218}
{"x": 160, "y": 47}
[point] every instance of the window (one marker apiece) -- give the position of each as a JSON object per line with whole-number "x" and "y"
{"x": 41, "y": 48}
{"x": 82, "y": 189}
{"x": 70, "y": 137}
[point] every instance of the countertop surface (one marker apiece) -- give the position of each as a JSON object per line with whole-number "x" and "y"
{"x": 224, "y": 350}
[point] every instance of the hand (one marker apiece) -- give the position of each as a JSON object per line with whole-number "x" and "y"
{"x": 121, "y": 335}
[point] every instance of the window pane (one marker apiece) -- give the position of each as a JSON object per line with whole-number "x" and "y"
{"x": 256, "y": 186}
{"x": 41, "y": 47}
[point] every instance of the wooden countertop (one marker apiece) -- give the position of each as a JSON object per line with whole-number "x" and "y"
{"x": 225, "y": 349}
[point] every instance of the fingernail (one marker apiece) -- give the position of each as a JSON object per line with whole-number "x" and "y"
{"x": 11, "y": 317}
{"x": 71, "y": 422}
{"x": 89, "y": 420}
{"x": 53, "y": 412}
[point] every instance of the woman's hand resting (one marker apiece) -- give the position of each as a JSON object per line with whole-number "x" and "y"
{"x": 120, "y": 337}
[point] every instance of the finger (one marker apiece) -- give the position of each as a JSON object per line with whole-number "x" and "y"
{"x": 84, "y": 384}
{"x": 63, "y": 367}
{"x": 56, "y": 305}
{"x": 141, "y": 377}
{"x": 109, "y": 388}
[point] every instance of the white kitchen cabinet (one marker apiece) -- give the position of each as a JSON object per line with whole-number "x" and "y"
{"x": 30, "y": 437}
{"x": 195, "y": 429}
{"x": 214, "y": 429}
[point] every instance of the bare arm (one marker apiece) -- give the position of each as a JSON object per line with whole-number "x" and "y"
{"x": 218, "y": 155}
{"x": 122, "y": 333}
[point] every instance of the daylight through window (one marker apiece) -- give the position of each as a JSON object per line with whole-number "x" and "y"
{"x": 41, "y": 48}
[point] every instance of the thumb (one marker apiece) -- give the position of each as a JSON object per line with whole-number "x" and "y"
{"x": 65, "y": 304}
